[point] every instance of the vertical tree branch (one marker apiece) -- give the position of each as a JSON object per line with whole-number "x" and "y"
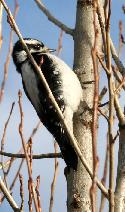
{"x": 21, "y": 192}
{"x": 3, "y": 140}
{"x": 54, "y": 180}
{"x": 111, "y": 111}
{"x": 25, "y": 151}
{"x": 105, "y": 175}
{"x": 6, "y": 65}
{"x": 95, "y": 111}
{"x": 1, "y": 16}
{"x": 38, "y": 193}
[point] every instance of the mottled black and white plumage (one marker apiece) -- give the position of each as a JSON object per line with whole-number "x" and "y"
{"x": 64, "y": 85}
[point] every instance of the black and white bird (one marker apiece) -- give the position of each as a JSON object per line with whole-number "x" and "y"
{"x": 64, "y": 85}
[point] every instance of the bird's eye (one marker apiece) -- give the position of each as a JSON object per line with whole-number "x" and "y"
{"x": 37, "y": 46}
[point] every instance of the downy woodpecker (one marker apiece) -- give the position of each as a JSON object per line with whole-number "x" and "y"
{"x": 64, "y": 85}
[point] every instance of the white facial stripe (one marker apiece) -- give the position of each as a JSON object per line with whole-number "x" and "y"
{"x": 21, "y": 56}
{"x": 31, "y": 41}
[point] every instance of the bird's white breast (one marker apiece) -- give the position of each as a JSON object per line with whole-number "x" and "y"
{"x": 71, "y": 87}
{"x": 29, "y": 79}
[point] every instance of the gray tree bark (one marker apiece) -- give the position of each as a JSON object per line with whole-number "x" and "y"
{"x": 120, "y": 181}
{"x": 79, "y": 182}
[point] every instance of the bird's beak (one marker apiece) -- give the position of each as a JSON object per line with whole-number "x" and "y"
{"x": 52, "y": 50}
{"x": 45, "y": 50}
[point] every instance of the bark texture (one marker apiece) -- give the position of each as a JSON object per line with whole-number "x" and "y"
{"x": 79, "y": 183}
{"x": 120, "y": 182}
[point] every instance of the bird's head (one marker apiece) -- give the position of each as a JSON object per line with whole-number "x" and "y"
{"x": 35, "y": 47}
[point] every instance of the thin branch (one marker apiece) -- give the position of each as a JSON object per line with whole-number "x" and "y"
{"x": 38, "y": 193}
{"x": 117, "y": 76}
{"x": 120, "y": 86}
{"x": 35, "y": 130}
{"x": 39, "y": 156}
{"x": 21, "y": 192}
{"x": 59, "y": 48}
{"x": 111, "y": 110}
{"x": 113, "y": 50}
{"x": 120, "y": 38}
{"x": 95, "y": 113}
{"x": 10, "y": 161}
{"x": 120, "y": 179}
{"x": 102, "y": 94}
{"x": 105, "y": 172}
{"x": 118, "y": 62}
{"x": 25, "y": 150}
{"x": 6, "y": 65}
{"x": 53, "y": 19}
{"x": 3, "y": 140}
{"x": 103, "y": 114}
{"x": 16, "y": 175}
{"x": 54, "y": 180}
{"x": 8, "y": 196}
{"x": 119, "y": 112}
{"x": 73, "y": 141}
{"x": 103, "y": 64}
{"x": 102, "y": 25}
{"x": 1, "y": 16}
{"x": 5, "y": 127}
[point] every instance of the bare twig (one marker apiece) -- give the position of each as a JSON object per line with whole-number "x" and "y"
{"x": 39, "y": 156}
{"x": 35, "y": 130}
{"x": 38, "y": 70}
{"x": 105, "y": 172}
{"x": 1, "y": 15}
{"x": 120, "y": 180}
{"x": 29, "y": 150}
{"x": 111, "y": 110}
{"x": 59, "y": 48}
{"x": 38, "y": 193}
{"x": 30, "y": 195}
{"x": 5, "y": 127}
{"x": 117, "y": 76}
{"x": 16, "y": 175}
{"x": 119, "y": 112}
{"x": 14, "y": 180}
{"x": 102, "y": 25}
{"x": 8, "y": 196}
{"x": 118, "y": 62}
{"x": 54, "y": 180}
{"x": 102, "y": 94}
{"x": 6, "y": 65}
{"x": 53, "y": 19}
{"x": 102, "y": 64}
{"x": 25, "y": 151}
{"x": 10, "y": 161}
{"x": 103, "y": 114}
{"x": 3, "y": 140}
{"x": 120, "y": 37}
{"x": 21, "y": 192}
{"x": 95, "y": 112}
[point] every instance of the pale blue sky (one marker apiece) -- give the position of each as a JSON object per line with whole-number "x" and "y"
{"x": 32, "y": 23}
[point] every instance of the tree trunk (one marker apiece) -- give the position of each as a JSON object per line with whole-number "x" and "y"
{"x": 79, "y": 183}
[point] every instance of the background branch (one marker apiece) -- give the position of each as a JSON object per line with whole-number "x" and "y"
{"x": 52, "y": 18}
{"x": 39, "y": 156}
